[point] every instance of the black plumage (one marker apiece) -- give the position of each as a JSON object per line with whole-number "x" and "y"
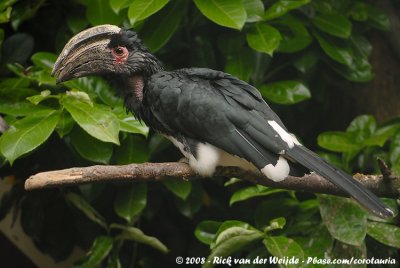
{"x": 213, "y": 117}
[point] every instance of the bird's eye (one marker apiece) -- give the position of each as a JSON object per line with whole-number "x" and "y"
{"x": 120, "y": 51}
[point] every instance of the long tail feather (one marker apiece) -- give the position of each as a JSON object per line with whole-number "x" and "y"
{"x": 341, "y": 179}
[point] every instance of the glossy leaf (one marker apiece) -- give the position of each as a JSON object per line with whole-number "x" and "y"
{"x": 131, "y": 125}
{"x": 44, "y": 60}
{"x": 285, "y": 92}
{"x": 345, "y": 220}
{"x": 21, "y": 108}
{"x": 99, "y": 12}
{"x": 282, "y": 7}
{"x": 206, "y": 231}
{"x": 158, "y": 29}
{"x": 333, "y": 24}
{"x": 100, "y": 249}
{"x": 337, "y": 50}
{"x": 251, "y": 192}
{"x": 337, "y": 141}
{"x": 141, "y": 9}
{"x": 241, "y": 64}
{"x": 384, "y": 233}
{"x": 135, "y": 234}
{"x": 90, "y": 148}
{"x": 27, "y": 134}
{"x": 130, "y": 201}
{"x": 81, "y": 204}
{"x": 97, "y": 122}
{"x": 295, "y": 36}
{"x": 117, "y": 5}
{"x": 65, "y": 124}
{"x": 254, "y": 10}
{"x": 283, "y": 247}
{"x": 133, "y": 149}
{"x": 231, "y": 237}
{"x": 228, "y": 13}
{"x": 181, "y": 189}
{"x": 264, "y": 38}
{"x": 96, "y": 88}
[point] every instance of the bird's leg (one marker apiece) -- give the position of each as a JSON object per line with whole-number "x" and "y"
{"x": 184, "y": 160}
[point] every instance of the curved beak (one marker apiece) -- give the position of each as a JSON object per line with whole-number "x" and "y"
{"x": 85, "y": 53}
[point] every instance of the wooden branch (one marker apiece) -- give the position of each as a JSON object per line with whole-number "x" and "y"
{"x": 181, "y": 171}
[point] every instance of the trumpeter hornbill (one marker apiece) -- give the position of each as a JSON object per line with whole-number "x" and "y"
{"x": 212, "y": 117}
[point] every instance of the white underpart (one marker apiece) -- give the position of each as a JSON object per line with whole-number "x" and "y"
{"x": 277, "y": 172}
{"x": 287, "y": 137}
{"x": 209, "y": 157}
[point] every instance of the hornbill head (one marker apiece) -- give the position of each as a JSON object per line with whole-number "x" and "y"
{"x": 103, "y": 50}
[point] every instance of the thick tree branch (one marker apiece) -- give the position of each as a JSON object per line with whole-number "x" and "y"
{"x": 181, "y": 171}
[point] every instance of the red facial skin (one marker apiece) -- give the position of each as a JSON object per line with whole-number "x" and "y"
{"x": 120, "y": 54}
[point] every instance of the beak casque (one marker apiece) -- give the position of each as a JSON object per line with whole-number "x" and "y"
{"x": 74, "y": 51}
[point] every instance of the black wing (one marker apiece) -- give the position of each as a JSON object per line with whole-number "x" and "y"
{"x": 217, "y": 108}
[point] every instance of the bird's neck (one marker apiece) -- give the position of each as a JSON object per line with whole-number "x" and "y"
{"x": 133, "y": 87}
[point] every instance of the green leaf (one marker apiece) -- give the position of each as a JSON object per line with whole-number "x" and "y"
{"x": 241, "y": 64}
{"x": 118, "y": 5}
{"x": 254, "y": 10}
{"x": 362, "y": 127}
{"x": 135, "y": 234}
{"x": 81, "y": 204}
{"x": 318, "y": 244}
{"x": 275, "y": 224}
{"x": 17, "y": 48}
{"x": 306, "y": 61}
{"x": 193, "y": 202}
{"x": 378, "y": 18}
{"x": 384, "y": 233}
{"x": 282, "y": 7}
{"x": 27, "y": 134}
{"x": 228, "y": 13}
{"x": 99, "y": 12}
{"x": 96, "y": 88}
{"x": 295, "y": 36}
{"x": 231, "y": 237}
{"x": 98, "y": 122}
{"x": 130, "y": 201}
{"x": 65, "y": 124}
{"x": 133, "y": 149}
{"x": 181, "y": 189}
{"x": 345, "y": 220}
{"x": 141, "y": 9}
{"x": 263, "y": 38}
{"x": 90, "y": 148}
{"x": 346, "y": 252}
{"x": 158, "y": 29}
{"x": 337, "y": 50}
{"x": 283, "y": 247}
{"x": 337, "y": 142}
{"x": 21, "y": 108}
{"x": 129, "y": 123}
{"x": 100, "y": 249}
{"x": 394, "y": 153}
{"x": 206, "y": 231}
{"x": 44, "y": 60}
{"x": 251, "y": 192}
{"x": 333, "y": 24}
{"x": 285, "y": 92}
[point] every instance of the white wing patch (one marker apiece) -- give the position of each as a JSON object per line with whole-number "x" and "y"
{"x": 278, "y": 172}
{"x": 289, "y": 138}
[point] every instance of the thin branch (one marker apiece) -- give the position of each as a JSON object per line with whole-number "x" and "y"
{"x": 181, "y": 171}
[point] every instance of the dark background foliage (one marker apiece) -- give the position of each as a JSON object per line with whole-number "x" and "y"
{"x": 329, "y": 68}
